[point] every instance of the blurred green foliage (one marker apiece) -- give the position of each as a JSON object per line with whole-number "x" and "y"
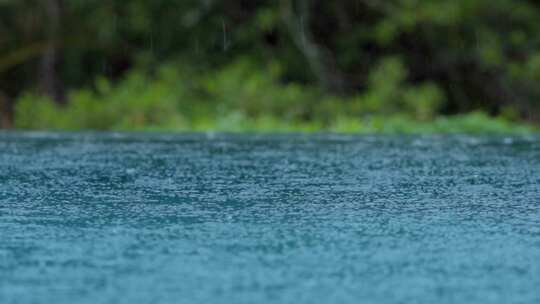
{"x": 242, "y": 97}
{"x": 351, "y": 65}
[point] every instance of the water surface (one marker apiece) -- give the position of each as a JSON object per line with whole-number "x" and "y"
{"x": 206, "y": 218}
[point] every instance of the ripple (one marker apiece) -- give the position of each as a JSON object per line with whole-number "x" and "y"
{"x": 222, "y": 218}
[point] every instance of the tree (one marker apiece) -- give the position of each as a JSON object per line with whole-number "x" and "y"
{"x": 482, "y": 54}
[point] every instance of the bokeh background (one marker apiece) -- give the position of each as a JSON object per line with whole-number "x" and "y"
{"x": 274, "y": 65}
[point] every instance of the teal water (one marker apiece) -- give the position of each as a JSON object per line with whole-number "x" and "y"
{"x": 135, "y": 218}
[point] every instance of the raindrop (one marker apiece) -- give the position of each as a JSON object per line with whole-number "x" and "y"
{"x": 302, "y": 31}
{"x": 225, "y": 38}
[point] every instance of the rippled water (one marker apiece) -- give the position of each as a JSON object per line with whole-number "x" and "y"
{"x": 133, "y": 218}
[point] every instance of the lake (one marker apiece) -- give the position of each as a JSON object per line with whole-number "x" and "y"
{"x": 216, "y": 218}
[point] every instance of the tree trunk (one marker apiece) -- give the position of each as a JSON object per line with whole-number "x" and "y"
{"x": 50, "y": 82}
{"x": 6, "y": 112}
